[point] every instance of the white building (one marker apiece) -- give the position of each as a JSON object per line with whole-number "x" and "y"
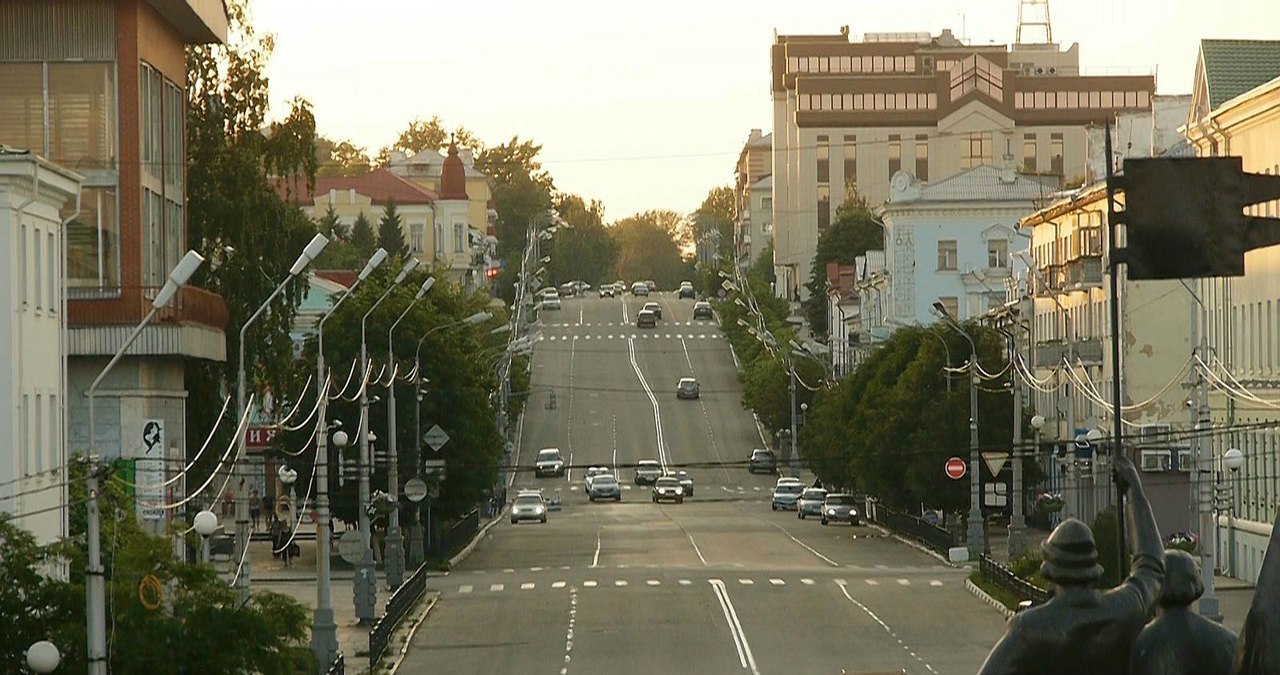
{"x": 33, "y": 451}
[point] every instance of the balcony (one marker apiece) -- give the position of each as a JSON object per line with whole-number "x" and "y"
{"x": 193, "y": 325}
{"x": 1083, "y": 273}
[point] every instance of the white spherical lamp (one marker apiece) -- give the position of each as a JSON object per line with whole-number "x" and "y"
{"x": 205, "y": 523}
{"x": 340, "y": 438}
{"x": 43, "y": 657}
{"x": 1233, "y": 459}
{"x": 1037, "y": 422}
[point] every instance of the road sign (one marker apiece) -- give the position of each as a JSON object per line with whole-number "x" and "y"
{"x": 351, "y": 546}
{"x": 435, "y": 437}
{"x": 415, "y": 490}
{"x": 955, "y": 468}
{"x": 995, "y": 461}
{"x": 996, "y": 494}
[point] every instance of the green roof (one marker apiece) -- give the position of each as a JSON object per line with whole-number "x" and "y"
{"x": 1233, "y": 67}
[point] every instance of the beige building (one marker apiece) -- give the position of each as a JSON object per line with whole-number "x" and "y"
{"x": 1235, "y": 111}
{"x": 849, "y": 115}
{"x": 753, "y": 189}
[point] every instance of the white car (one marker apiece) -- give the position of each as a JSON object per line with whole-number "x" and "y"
{"x": 592, "y": 472}
{"x": 639, "y": 288}
{"x": 549, "y": 302}
{"x": 528, "y": 505}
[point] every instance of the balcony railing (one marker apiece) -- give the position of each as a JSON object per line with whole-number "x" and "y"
{"x": 127, "y": 305}
{"x": 1084, "y": 272}
{"x": 1086, "y": 350}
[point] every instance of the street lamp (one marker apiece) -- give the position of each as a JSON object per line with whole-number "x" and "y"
{"x": 1233, "y": 460}
{"x": 289, "y": 476}
{"x": 43, "y": 657}
{"x": 95, "y": 595}
{"x": 310, "y": 253}
{"x": 205, "y": 523}
{"x": 324, "y": 630}
{"x": 975, "y": 534}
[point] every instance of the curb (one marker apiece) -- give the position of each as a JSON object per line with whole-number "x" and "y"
{"x": 983, "y": 596}
{"x": 408, "y": 639}
{"x": 913, "y": 544}
{"x": 475, "y": 540}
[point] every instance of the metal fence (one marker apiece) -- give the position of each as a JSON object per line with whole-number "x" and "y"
{"x": 456, "y": 536}
{"x": 338, "y": 667}
{"x": 398, "y": 606}
{"x": 1003, "y": 578}
{"x": 912, "y": 527}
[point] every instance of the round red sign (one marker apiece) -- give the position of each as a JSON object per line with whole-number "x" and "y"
{"x": 955, "y": 468}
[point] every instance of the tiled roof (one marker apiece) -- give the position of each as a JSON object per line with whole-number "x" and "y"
{"x": 1233, "y": 67}
{"x": 343, "y": 278}
{"x": 987, "y": 183}
{"x": 378, "y": 186}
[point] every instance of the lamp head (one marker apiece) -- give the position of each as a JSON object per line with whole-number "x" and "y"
{"x": 478, "y": 317}
{"x": 286, "y": 474}
{"x": 1093, "y": 435}
{"x": 43, "y": 657}
{"x": 310, "y": 253}
{"x": 405, "y": 269}
{"x": 941, "y": 309}
{"x": 374, "y": 261}
{"x": 1233, "y": 459}
{"x": 340, "y": 438}
{"x": 372, "y": 437}
{"x": 205, "y": 523}
{"x": 1037, "y": 422}
{"x": 180, "y": 275}
{"x": 426, "y": 286}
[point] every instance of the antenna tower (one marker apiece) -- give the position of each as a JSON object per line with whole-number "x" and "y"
{"x": 1034, "y": 15}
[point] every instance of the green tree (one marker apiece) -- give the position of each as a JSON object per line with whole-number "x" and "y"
{"x": 433, "y": 134}
{"x": 341, "y": 158}
{"x": 362, "y": 236}
{"x": 390, "y": 236}
{"x": 582, "y": 248}
{"x": 716, "y": 214}
{"x": 331, "y": 226}
{"x": 647, "y": 248}
{"x": 762, "y": 266}
{"x": 522, "y": 191}
{"x": 853, "y": 233}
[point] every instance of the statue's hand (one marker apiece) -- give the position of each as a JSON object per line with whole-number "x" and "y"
{"x": 1126, "y": 474}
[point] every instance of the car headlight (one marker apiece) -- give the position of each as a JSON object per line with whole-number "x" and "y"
{"x": 853, "y": 512}
{"x": 679, "y": 490}
{"x": 538, "y": 509}
{"x": 831, "y": 512}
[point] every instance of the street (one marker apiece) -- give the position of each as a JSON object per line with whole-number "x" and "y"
{"x": 718, "y": 584}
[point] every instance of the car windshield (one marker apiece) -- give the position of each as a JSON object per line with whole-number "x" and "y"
{"x": 528, "y": 500}
{"x": 814, "y": 494}
{"x": 761, "y": 454}
{"x": 549, "y": 454}
{"x": 789, "y": 489}
{"x": 667, "y": 482}
{"x": 604, "y": 479}
{"x": 647, "y": 464}
{"x": 841, "y": 500}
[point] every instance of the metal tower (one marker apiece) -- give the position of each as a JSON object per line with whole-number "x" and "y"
{"x": 1034, "y": 15}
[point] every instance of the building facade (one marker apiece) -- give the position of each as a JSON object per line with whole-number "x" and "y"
{"x": 369, "y": 194}
{"x": 33, "y": 460}
{"x": 98, "y": 86}
{"x": 847, "y": 116}
{"x": 753, "y": 190}
{"x": 1235, "y": 111}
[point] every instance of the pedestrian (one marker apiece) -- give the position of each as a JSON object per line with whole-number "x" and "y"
{"x": 228, "y": 499}
{"x": 277, "y": 532}
{"x": 269, "y": 506}
{"x": 255, "y": 507}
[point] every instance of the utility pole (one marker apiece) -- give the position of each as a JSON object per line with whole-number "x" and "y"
{"x": 1202, "y": 495}
{"x": 975, "y": 533}
{"x": 1017, "y": 522}
{"x": 791, "y": 382}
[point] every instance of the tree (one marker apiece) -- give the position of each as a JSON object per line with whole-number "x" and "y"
{"x": 762, "y": 266}
{"x": 853, "y": 233}
{"x": 331, "y": 226}
{"x": 432, "y": 134}
{"x": 390, "y": 236}
{"x": 362, "y": 236}
{"x": 716, "y": 214}
{"x": 582, "y": 248}
{"x": 647, "y": 248}
{"x": 341, "y": 158}
{"x": 521, "y": 191}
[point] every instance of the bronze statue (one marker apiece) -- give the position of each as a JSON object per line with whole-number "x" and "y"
{"x": 1082, "y": 629}
{"x": 1260, "y": 637}
{"x": 1180, "y": 641}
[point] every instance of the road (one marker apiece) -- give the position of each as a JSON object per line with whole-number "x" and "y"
{"x": 717, "y": 585}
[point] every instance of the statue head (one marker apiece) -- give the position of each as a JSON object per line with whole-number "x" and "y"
{"x": 1182, "y": 583}
{"x": 1070, "y": 555}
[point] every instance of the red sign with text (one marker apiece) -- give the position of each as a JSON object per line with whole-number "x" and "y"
{"x": 259, "y": 438}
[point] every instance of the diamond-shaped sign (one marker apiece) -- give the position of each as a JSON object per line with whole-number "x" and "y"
{"x": 435, "y": 437}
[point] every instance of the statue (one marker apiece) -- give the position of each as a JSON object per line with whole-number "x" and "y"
{"x": 1260, "y": 638}
{"x": 1082, "y": 629}
{"x": 1180, "y": 641}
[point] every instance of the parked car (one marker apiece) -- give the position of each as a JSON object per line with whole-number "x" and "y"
{"x": 528, "y": 505}
{"x": 548, "y": 463}
{"x": 652, "y": 307}
{"x": 702, "y": 310}
{"x": 653, "y": 285}
{"x": 688, "y": 388}
{"x": 550, "y": 302}
{"x": 686, "y": 482}
{"x": 648, "y": 471}
{"x": 592, "y": 473}
{"x": 646, "y": 319}
{"x": 686, "y": 290}
{"x": 786, "y": 495}
{"x": 568, "y": 289}
{"x": 639, "y": 288}
{"x": 840, "y": 508}
{"x": 810, "y": 502}
{"x": 668, "y": 487}
{"x": 762, "y": 461}
{"x": 605, "y": 486}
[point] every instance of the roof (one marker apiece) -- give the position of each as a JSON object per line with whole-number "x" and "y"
{"x": 379, "y": 186}
{"x": 981, "y": 183}
{"x": 453, "y": 177}
{"x": 763, "y": 183}
{"x": 1233, "y": 67}
{"x": 765, "y": 141}
{"x": 343, "y": 278}
{"x": 429, "y": 162}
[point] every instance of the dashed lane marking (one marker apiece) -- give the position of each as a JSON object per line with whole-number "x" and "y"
{"x": 527, "y": 586}
{"x": 465, "y": 589}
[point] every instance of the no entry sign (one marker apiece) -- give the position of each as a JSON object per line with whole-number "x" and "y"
{"x": 955, "y": 468}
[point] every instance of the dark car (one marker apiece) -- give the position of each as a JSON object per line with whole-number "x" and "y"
{"x": 646, "y": 319}
{"x": 605, "y": 486}
{"x": 762, "y": 461}
{"x": 686, "y": 482}
{"x": 653, "y": 285}
{"x": 702, "y": 310}
{"x": 840, "y": 508}
{"x": 652, "y": 307}
{"x": 648, "y": 471}
{"x": 688, "y": 388}
{"x": 686, "y": 290}
{"x": 568, "y": 289}
{"x": 548, "y": 463}
{"x": 668, "y": 487}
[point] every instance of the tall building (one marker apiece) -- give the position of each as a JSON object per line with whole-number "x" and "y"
{"x": 98, "y": 86}
{"x": 849, "y": 115}
{"x": 753, "y": 192}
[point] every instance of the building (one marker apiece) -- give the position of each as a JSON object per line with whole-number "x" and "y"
{"x": 847, "y": 116}
{"x": 98, "y": 86}
{"x": 34, "y": 193}
{"x": 1235, "y": 111}
{"x": 753, "y": 189}
{"x": 842, "y": 316}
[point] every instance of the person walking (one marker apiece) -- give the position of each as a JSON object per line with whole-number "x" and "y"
{"x": 255, "y": 507}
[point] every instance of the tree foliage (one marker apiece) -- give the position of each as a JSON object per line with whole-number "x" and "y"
{"x": 341, "y": 158}
{"x": 330, "y": 225}
{"x": 433, "y": 134}
{"x": 522, "y": 189}
{"x": 716, "y": 214}
{"x": 853, "y": 233}
{"x": 582, "y": 248}
{"x": 647, "y": 248}
{"x": 390, "y": 234}
{"x": 363, "y": 238}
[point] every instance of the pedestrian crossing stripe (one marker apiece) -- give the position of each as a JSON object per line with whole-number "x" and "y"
{"x": 774, "y": 582}
{"x": 633, "y": 336}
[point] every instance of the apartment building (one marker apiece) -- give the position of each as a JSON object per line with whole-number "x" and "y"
{"x": 849, "y": 115}
{"x": 1235, "y": 111}
{"x": 98, "y": 87}
{"x": 753, "y": 189}
{"x": 368, "y": 195}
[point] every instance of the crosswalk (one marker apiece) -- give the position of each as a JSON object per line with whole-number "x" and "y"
{"x": 772, "y": 583}
{"x": 632, "y": 336}
{"x": 625, "y": 324}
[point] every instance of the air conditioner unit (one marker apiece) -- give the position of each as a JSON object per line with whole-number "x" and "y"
{"x": 1155, "y": 461}
{"x": 1155, "y": 434}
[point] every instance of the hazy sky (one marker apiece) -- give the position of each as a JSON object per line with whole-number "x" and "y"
{"x": 646, "y": 105}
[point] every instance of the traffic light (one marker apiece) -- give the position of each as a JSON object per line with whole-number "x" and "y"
{"x": 1184, "y": 216}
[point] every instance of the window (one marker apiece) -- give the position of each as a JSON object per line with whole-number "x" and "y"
{"x": 946, "y": 254}
{"x": 51, "y": 269}
{"x": 93, "y": 240}
{"x": 458, "y": 234}
{"x": 22, "y": 106}
{"x": 24, "y": 432}
{"x": 824, "y": 159}
{"x": 39, "y": 444}
{"x": 824, "y": 206}
{"x": 153, "y": 269}
{"x": 1029, "y": 152}
{"x": 1055, "y": 154}
{"x": 22, "y": 263}
{"x": 922, "y": 157}
{"x": 952, "y": 305}
{"x": 975, "y": 150}
{"x": 81, "y": 99}
{"x": 37, "y": 277}
{"x": 997, "y": 253}
{"x": 438, "y": 231}
{"x": 895, "y": 154}
{"x": 415, "y": 236}
{"x": 851, "y": 163}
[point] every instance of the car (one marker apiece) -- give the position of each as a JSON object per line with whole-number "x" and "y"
{"x": 548, "y": 463}
{"x": 568, "y": 289}
{"x": 786, "y": 495}
{"x": 581, "y": 287}
{"x": 841, "y": 508}
{"x": 702, "y": 310}
{"x": 592, "y": 472}
{"x": 810, "y": 502}
{"x": 648, "y": 471}
{"x": 620, "y": 286}
{"x": 652, "y": 307}
{"x": 686, "y": 482}
{"x": 646, "y": 319}
{"x": 688, "y": 388}
{"x": 639, "y": 288}
{"x": 550, "y": 302}
{"x": 653, "y": 285}
{"x": 528, "y": 505}
{"x": 668, "y": 487}
{"x": 605, "y": 486}
{"x": 762, "y": 461}
{"x": 686, "y": 290}
{"x": 606, "y": 290}
{"x": 787, "y": 480}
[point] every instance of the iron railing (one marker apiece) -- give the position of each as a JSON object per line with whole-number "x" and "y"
{"x": 338, "y": 667}
{"x": 401, "y": 601}
{"x": 456, "y": 536}
{"x": 126, "y": 305}
{"x": 911, "y": 527}
{"x": 1004, "y": 579}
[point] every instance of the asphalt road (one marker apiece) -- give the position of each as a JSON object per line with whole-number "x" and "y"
{"x": 718, "y": 584}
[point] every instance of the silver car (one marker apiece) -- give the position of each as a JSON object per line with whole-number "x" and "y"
{"x": 810, "y": 503}
{"x": 528, "y": 506}
{"x": 605, "y": 486}
{"x": 841, "y": 508}
{"x": 786, "y": 495}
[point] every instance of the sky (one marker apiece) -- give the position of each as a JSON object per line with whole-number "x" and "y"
{"x": 646, "y": 105}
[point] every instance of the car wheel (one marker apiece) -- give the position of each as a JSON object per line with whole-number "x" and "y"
{"x": 774, "y": 507}
{"x": 679, "y": 500}
{"x": 618, "y": 498}
{"x": 800, "y": 515}
{"x": 514, "y": 521}
{"x": 655, "y": 500}
{"x": 824, "y": 521}
{"x": 544, "y": 519}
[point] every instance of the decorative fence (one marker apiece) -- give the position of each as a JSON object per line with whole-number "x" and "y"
{"x": 1003, "y": 578}
{"x": 911, "y": 527}
{"x": 458, "y": 535}
{"x": 338, "y": 667}
{"x": 398, "y": 606}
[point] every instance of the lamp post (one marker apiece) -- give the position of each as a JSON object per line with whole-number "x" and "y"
{"x": 311, "y": 252}
{"x": 1232, "y": 459}
{"x": 205, "y": 523}
{"x": 974, "y": 529}
{"x": 289, "y": 476}
{"x": 324, "y": 631}
{"x": 95, "y": 590}
{"x": 43, "y": 657}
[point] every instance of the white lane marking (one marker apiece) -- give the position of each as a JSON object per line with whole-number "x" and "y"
{"x": 589, "y": 584}
{"x": 872, "y": 582}
{"x": 746, "y": 582}
{"x": 557, "y": 584}
{"x": 527, "y": 586}
{"x": 465, "y": 588}
{"x": 695, "y": 547}
{"x": 580, "y": 309}
{"x": 568, "y": 634}
{"x": 496, "y": 587}
{"x": 568, "y": 472}
{"x": 595, "y": 559}
{"x": 935, "y": 582}
{"x": 777, "y": 582}
{"x": 807, "y": 582}
{"x": 654, "y": 582}
{"x": 535, "y": 569}
{"x": 685, "y": 582}
{"x": 745, "y": 657}
{"x": 904, "y": 582}
{"x": 653, "y": 400}
{"x": 510, "y": 570}
{"x": 620, "y": 582}
{"x": 614, "y": 461}
{"x": 805, "y": 546}
{"x": 845, "y": 590}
